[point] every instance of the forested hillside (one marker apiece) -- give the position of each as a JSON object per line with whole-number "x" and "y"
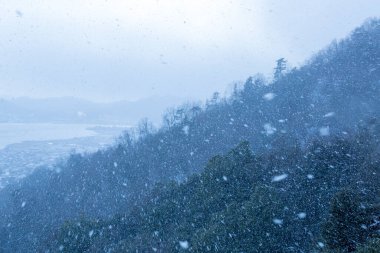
{"x": 312, "y": 132}
{"x": 275, "y": 202}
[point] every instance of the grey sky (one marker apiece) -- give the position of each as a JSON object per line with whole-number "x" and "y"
{"x": 112, "y": 50}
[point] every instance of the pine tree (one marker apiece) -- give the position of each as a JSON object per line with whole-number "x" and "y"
{"x": 279, "y": 69}
{"x": 347, "y": 226}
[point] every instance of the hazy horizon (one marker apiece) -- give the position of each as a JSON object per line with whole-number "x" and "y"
{"x": 112, "y": 50}
{"x": 94, "y": 101}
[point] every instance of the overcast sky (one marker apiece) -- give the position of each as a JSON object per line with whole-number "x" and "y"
{"x": 130, "y": 49}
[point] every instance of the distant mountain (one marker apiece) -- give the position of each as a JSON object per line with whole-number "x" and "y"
{"x": 74, "y": 110}
{"x": 336, "y": 95}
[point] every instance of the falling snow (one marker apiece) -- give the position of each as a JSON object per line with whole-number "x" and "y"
{"x": 267, "y": 167}
{"x": 184, "y": 244}
{"x": 269, "y": 130}
{"x": 324, "y": 131}
{"x": 301, "y": 215}
{"x": 186, "y": 129}
{"x": 279, "y": 178}
{"x": 321, "y": 244}
{"x": 330, "y": 114}
{"x": 269, "y": 96}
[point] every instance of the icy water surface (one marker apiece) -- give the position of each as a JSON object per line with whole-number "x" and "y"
{"x": 24, "y": 147}
{"x": 11, "y": 133}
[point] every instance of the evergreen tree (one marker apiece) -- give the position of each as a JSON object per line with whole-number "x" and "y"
{"x": 279, "y": 69}
{"x": 349, "y": 221}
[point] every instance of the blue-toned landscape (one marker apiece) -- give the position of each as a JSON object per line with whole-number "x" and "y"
{"x": 190, "y": 126}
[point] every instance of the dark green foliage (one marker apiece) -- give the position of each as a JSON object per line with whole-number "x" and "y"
{"x": 247, "y": 226}
{"x": 231, "y": 207}
{"x": 223, "y": 208}
{"x": 77, "y": 236}
{"x": 373, "y": 246}
{"x": 349, "y": 222}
